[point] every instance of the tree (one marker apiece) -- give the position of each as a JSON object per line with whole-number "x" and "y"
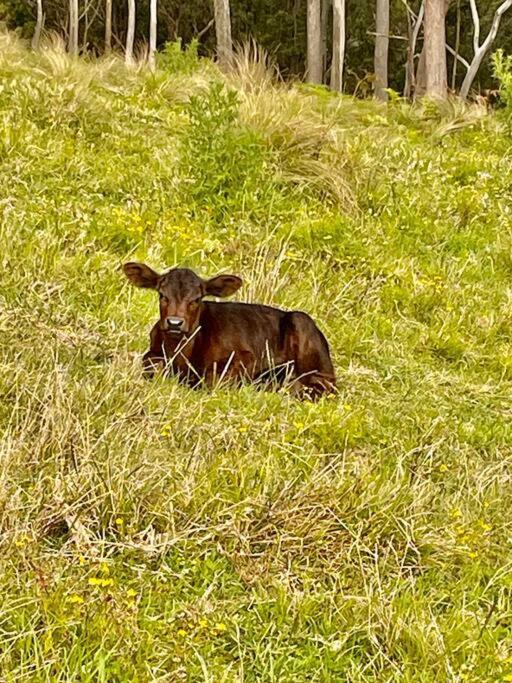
{"x": 73, "y": 27}
{"x": 338, "y": 44}
{"x": 130, "y": 33}
{"x": 436, "y": 81}
{"x": 324, "y": 22}
{"x": 223, "y": 33}
{"x": 457, "y": 47}
{"x": 314, "y": 42}
{"x": 414, "y": 24}
{"x": 481, "y": 50}
{"x": 39, "y": 25}
{"x": 381, "y": 49}
{"x": 152, "y": 34}
{"x": 108, "y": 25}
{"x": 91, "y": 9}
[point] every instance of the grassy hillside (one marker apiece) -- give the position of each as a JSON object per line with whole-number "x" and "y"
{"x": 153, "y": 533}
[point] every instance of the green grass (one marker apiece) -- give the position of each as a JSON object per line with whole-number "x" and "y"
{"x": 153, "y": 533}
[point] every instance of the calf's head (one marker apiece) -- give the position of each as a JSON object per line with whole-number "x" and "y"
{"x": 181, "y": 293}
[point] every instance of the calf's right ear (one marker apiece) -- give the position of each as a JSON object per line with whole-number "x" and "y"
{"x": 141, "y": 275}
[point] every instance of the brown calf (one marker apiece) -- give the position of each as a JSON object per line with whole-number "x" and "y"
{"x": 208, "y": 341}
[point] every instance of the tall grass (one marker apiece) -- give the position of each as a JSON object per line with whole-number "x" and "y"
{"x": 150, "y": 532}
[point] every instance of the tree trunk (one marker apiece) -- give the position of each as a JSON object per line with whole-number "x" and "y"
{"x": 39, "y": 25}
{"x": 420, "y": 87}
{"x": 108, "y": 25}
{"x": 152, "y": 34}
{"x": 457, "y": 48}
{"x": 324, "y": 22}
{"x": 413, "y": 30}
{"x": 435, "y": 50}
{"x": 73, "y": 27}
{"x": 481, "y": 50}
{"x": 223, "y": 33}
{"x": 130, "y": 33}
{"x": 314, "y": 38}
{"x": 338, "y": 44}
{"x": 381, "y": 50}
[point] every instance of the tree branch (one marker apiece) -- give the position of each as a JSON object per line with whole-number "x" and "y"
{"x": 417, "y": 26}
{"x": 206, "y": 28}
{"x": 476, "y": 24}
{"x": 457, "y": 56}
{"x": 482, "y": 50}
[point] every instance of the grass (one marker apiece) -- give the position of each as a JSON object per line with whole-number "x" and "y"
{"x": 153, "y": 533}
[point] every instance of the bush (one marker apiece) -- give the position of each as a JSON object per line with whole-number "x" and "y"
{"x": 503, "y": 72}
{"x": 222, "y": 162}
{"x": 176, "y": 59}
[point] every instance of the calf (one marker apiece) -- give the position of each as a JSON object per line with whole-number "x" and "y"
{"x": 206, "y": 341}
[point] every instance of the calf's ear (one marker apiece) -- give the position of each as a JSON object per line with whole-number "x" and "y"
{"x": 141, "y": 275}
{"x": 223, "y": 285}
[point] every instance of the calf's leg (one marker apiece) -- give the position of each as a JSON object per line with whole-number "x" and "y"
{"x": 308, "y": 348}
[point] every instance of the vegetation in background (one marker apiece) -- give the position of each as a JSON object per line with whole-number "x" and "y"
{"x": 150, "y": 532}
{"x": 277, "y": 25}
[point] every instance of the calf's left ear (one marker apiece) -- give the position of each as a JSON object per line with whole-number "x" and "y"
{"x": 223, "y": 285}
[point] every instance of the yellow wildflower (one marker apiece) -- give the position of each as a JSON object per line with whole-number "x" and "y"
{"x": 75, "y": 599}
{"x": 95, "y": 581}
{"x": 131, "y": 593}
{"x": 182, "y": 632}
{"x": 21, "y": 541}
{"x": 119, "y": 521}
{"x": 219, "y": 626}
{"x": 443, "y": 467}
{"x": 203, "y": 623}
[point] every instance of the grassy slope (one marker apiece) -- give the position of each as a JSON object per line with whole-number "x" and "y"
{"x": 154, "y": 533}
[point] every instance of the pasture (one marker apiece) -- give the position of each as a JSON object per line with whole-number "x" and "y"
{"x": 154, "y": 533}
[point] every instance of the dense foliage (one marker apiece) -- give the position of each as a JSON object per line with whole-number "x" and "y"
{"x": 277, "y": 25}
{"x": 150, "y": 532}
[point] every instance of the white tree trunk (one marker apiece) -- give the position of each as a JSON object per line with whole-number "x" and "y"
{"x": 152, "y": 34}
{"x": 381, "y": 49}
{"x": 435, "y": 50}
{"x": 481, "y": 50}
{"x": 39, "y": 25}
{"x": 223, "y": 33}
{"x": 314, "y": 38}
{"x": 338, "y": 44}
{"x": 108, "y": 25}
{"x": 130, "y": 34}
{"x": 73, "y": 27}
{"x": 414, "y": 25}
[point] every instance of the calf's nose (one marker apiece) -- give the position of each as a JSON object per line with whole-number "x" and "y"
{"x": 174, "y": 323}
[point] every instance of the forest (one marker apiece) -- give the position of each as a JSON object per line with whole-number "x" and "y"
{"x": 379, "y": 42}
{"x": 154, "y": 532}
